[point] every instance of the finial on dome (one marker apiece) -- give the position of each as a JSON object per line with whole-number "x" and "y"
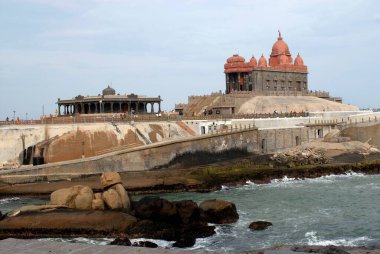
{"x": 279, "y": 35}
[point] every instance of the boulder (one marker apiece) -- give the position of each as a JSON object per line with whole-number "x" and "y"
{"x": 112, "y": 199}
{"x": 83, "y": 200}
{"x": 155, "y": 208}
{"x": 259, "y": 225}
{"x": 78, "y": 196}
{"x": 108, "y": 179}
{"x": 184, "y": 242}
{"x": 121, "y": 241}
{"x": 145, "y": 244}
{"x": 219, "y": 211}
{"x": 68, "y": 222}
{"x": 97, "y": 204}
{"x": 188, "y": 211}
{"x": 124, "y": 197}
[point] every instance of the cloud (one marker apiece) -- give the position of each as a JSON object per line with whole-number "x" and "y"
{"x": 61, "y": 48}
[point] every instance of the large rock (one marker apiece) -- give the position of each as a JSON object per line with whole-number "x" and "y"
{"x": 83, "y": 200}
{"x": 121, "y": 241}
{"x": 219, "y": 211}
{"x": 259, "y": 225}
{"x": 124, "y": 198}
{"x": 79, "y": 197}
{"x": 155, "y": 208}
{"x": 185, "y": 242}
{"x": 145, "y": 244}
{"x": 117, "y": 198}
{"x": 68, "y": 222}
{"x": 97, "y": 202}
{"x": 109, "y": 178}
{"x": 112, "y": 199}
{"x": 169, "y": 231}
{"x": 188, "y": 211}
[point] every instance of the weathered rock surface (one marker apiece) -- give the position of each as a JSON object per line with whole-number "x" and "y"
{"x": 219, "y": 211}
{"x": 260, "y": 225}
{"x": 121, "y": 241}
{"x": 97, "y": 202}
{"x": 155, "y": 208}
{"x": 300, "y": 156}
{"x": 146, "y": 244}
{"x": 124, "y": 198}
{"x": 187, "y": 211}
{"x": 68, "y": 221}
{"x": 34, "y": 208}
{"x": 79, "y": 197}
{"x": 108, "y": 179}
{"x": 184, "y": 242}
{"x": 112, "y": 199}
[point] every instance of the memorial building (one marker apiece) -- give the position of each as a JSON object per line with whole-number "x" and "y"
{"x": 281, "y": 73}
{"x": 109, "y": 102}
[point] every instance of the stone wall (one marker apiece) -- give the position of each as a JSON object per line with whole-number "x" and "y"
{"x": 260, "y": 78}
{"x": 160, "y": 154}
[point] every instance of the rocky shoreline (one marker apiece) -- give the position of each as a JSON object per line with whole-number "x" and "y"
{"x": 79, "y": 212}
{"x": 205, "y": 178}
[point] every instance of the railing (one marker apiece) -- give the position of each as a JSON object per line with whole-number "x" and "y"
{"x": 147, "y": 118}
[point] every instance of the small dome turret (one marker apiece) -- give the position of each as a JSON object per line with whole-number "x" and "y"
{"x": 263, "y": 61}
{"x": 109, "y": 91}
{"x": 298, "y": 61}
{"x": 252, "y": 62}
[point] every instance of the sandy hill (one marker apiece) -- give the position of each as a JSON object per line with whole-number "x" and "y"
{"x": 268, "y": 104}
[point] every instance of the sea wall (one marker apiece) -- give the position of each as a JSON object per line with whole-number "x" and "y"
{"x": 162, "y": 153}
{"x": 60, "y": 142}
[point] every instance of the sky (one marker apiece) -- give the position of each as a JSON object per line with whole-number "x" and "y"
{"x": 52, "y": 49}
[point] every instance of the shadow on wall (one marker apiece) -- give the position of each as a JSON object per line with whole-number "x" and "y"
{"x": 370, "y": 134}
{"x": 197, "y": 158}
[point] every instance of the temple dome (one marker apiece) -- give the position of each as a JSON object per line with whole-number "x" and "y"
{"x": 252, "y": 62}
{"x": 298, "y": 60}
{"x": 235, "y": 58}
{"x": 263, "y": 61}
{"x": 280, "y": 47}
{"x": 109, "y": 91}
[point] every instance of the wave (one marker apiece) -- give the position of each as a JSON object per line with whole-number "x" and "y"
{"x": 290, "y": 180}
{"x": 8, "y": 200}
{"x": 313, "y": 239}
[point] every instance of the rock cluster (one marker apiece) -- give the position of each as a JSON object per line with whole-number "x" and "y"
{"x": 81, "y": 197}
{"x": 112, "y": 212}
{"x": 298, "y": 157}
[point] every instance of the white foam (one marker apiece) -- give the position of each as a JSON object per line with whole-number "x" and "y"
{"x": 95, "y": 241}
{"x": 160, "y": 243}
{"x": 313, "y": 239}
{"x": 8, "y": 200}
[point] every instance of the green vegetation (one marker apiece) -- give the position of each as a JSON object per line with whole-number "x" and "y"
{"x": 214, "y": 176}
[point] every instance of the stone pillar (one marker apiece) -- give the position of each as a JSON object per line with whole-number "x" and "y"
{"x": 129, "y": 107}
{"x": 159, "y": 107}
{"x": 59, "y": 110}
{"x": 111, "y": 107}
{"x": 64, "y": 109}
{"x": 144, "y": 107}
{"x": 137, "y": 107}
{"x": 151, "y": 108}
{"x": 89, "y": 108}
{"x": 119, "y": 107}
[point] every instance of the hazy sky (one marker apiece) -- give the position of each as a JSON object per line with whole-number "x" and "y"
{"x": 53, "y": 49}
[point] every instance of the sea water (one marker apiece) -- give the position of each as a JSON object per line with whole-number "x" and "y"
{"x": 337, "y": 210}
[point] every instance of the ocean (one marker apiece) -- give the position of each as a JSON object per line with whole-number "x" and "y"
{"x": 336, "y": 209}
